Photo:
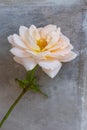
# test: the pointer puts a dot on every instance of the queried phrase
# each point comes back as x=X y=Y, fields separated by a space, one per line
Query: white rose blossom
x=46 y=46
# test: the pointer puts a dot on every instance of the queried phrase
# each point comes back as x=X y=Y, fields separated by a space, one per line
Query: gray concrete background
x=66 y=107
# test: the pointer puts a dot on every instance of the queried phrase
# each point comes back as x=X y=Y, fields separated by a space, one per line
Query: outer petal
x=52 y=73
x=60 y=52
x=49 y=64
x=18 y=41
x=18 y=60
x=22 y=31
x=38 y=56
x=10 y=39
x=18 y=52
x=28 y=63
x=64 y=42
x=24 y=34
x=68 y=57
x=60 y=46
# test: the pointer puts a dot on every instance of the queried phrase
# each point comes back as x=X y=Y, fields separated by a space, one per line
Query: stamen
x=42 y=43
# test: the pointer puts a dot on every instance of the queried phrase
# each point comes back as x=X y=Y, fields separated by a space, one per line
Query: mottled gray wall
x=66 y=107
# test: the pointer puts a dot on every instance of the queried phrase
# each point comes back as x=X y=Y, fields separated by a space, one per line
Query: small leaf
x=20 y=82
x=25 y=81
x=36 y=88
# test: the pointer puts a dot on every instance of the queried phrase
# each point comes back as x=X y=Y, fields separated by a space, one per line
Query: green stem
x=12 y=107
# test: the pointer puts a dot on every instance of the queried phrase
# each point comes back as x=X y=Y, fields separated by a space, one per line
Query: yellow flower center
x=42 y=43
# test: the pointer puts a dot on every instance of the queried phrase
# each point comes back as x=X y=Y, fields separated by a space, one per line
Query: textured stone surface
x=58 y=2
x=66 y=107
x=84 y=57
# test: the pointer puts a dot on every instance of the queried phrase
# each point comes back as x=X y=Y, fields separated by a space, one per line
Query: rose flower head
x=45 y=46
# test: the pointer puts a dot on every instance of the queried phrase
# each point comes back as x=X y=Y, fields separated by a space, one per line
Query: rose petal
x=18 y=52
x=34 y=32
x=49 y=64
x=10 y=39
x=18 y=41
x=38 y=56
x=28 y=63
x=47 y=30
x=60 y=52
x=22 y=31
x=31 y=37
x=64 y=42
x=53 y=38
x=17 y=59
x=50 y=28
x=53 y=73
x=68 y=57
